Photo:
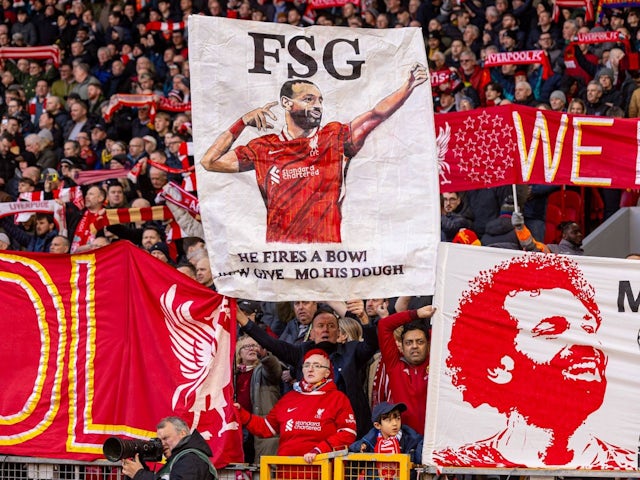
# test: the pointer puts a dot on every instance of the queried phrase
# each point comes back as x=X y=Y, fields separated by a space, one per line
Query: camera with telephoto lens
x=115 y=449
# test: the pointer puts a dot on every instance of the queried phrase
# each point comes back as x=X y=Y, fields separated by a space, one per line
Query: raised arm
x=219 y=158
x=387 y=325
x=364 y=124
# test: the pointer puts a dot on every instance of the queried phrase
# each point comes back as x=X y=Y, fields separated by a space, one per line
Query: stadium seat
x=552 y=220
x=596 y=215
x=570 y=204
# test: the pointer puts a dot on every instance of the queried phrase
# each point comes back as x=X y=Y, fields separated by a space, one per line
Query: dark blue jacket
x=410 y=443
x=33 y=242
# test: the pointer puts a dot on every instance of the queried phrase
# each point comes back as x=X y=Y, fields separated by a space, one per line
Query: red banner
x=108 y=343
x=513 y=144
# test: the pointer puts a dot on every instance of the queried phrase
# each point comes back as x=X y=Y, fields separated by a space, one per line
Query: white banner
x=534 y=361
x=335 y=195
x=40 y=206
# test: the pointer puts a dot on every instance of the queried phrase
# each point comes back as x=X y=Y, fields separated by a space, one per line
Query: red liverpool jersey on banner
x=108 y=343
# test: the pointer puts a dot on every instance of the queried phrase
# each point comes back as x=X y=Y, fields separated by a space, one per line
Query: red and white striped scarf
x=130 y=100
x=167 y=105
x=115 y=216
x=94 y=176
x=186 y=158
x=586 y=4
x=166 y=26
x=33 y=108
x=50 y=52
x=175 y=194
x=89 y=225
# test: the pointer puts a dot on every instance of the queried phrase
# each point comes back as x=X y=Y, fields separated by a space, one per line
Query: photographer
x=187 y=455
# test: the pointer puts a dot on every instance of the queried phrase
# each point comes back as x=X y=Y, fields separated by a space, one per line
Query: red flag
x=514 y=144
x=101 y=358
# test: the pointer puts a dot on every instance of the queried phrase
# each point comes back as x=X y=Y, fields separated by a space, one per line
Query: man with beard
x=301 y=171
x=524 y=341
x=570 y=244
x=40 y=239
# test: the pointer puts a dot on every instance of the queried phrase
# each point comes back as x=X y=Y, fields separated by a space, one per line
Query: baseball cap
x=385 y=407
x=4 y=238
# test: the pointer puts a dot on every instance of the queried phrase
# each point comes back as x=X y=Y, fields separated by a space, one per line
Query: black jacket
x=188 y=467
x=500 y=230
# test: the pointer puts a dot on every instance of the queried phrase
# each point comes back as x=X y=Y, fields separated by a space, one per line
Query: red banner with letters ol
x=513 y=144
x=108 y=343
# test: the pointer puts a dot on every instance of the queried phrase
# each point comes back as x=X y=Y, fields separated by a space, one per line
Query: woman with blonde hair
x=257 y=379
x=350 y=330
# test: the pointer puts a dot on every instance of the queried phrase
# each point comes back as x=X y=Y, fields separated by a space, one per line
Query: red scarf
x=306 y=387
x=389 y=446
x=87 y=228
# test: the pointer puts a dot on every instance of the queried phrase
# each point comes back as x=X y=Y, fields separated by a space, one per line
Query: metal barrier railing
x=27 y=468
x=335 y=465
x=295 y=468
x=372 y=466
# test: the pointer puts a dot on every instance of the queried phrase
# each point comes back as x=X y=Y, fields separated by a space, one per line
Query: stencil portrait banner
x=533 y=360
x=319 y=148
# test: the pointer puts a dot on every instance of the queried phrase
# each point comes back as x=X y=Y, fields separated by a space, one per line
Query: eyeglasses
x=466 y=61
x=250 y=347
x=315 y=366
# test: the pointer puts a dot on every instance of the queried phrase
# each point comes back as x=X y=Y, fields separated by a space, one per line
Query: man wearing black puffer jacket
x=187 y=455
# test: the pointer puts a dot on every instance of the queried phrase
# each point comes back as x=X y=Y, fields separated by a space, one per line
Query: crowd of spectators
x=57 y=119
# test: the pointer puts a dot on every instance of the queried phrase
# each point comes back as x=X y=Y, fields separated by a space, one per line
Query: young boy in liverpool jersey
x=301 y=171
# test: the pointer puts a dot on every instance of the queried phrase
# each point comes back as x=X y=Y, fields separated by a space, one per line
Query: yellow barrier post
x=295 y=468
x=372 y=466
